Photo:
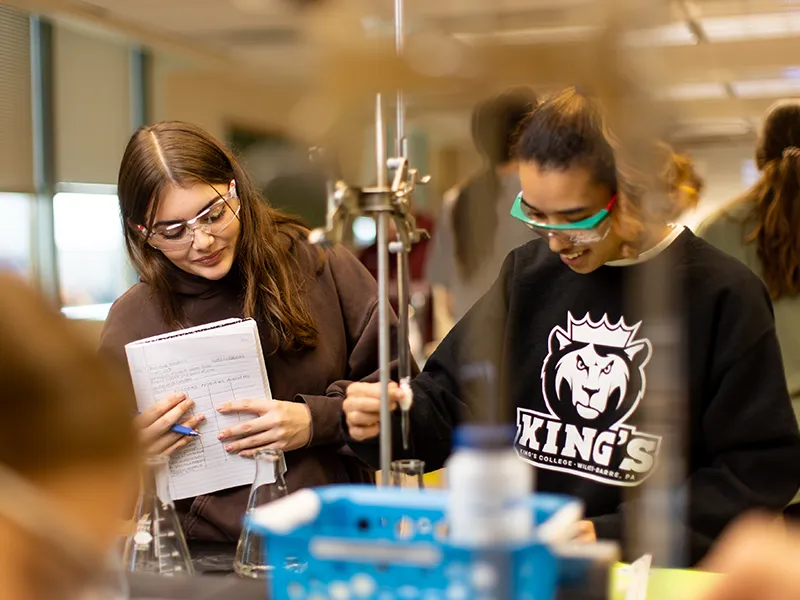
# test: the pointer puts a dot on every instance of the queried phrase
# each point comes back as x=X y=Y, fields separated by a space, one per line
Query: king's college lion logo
x=593 y=379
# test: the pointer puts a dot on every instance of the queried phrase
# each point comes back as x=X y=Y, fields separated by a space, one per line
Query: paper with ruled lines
x=212 y=364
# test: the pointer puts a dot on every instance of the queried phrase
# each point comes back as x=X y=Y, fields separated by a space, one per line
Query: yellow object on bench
x=666 y=584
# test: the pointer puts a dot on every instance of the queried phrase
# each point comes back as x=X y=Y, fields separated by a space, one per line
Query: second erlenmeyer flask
x=251 y=556
x=158 y=544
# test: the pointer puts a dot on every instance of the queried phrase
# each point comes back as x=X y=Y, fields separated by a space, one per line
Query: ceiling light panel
x=751 y=27
x=544 y=35
x=694 y=91
x=674 y=34
x=700 y=128
x=766 y=88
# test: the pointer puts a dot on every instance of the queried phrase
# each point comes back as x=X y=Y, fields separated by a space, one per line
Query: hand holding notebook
x=278 y=424
x=165 y=425
x=213 y=365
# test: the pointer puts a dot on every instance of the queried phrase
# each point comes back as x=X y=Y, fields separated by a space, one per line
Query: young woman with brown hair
x=572 y=355
x=762 y=229
x=207 y=248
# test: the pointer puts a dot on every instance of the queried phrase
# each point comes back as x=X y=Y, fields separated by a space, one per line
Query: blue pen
x=181 y=429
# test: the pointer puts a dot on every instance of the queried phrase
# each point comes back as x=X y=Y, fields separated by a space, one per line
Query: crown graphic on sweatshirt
x=602 y=332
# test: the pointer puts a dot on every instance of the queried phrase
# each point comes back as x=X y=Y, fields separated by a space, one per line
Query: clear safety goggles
x=213 y=220
x=586 y=231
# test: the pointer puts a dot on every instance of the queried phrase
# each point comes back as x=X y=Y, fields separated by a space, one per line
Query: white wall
x=727 y=170
x=215 y=101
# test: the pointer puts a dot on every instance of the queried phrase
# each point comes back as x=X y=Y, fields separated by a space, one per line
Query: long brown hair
x=776 y=200
x=181 y=154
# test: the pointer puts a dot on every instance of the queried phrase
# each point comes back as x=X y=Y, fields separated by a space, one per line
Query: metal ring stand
x=383 y=202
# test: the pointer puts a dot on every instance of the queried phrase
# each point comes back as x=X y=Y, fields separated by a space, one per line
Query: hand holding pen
x=165 y=427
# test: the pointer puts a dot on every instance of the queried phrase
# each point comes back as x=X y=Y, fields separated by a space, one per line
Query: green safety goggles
x=585 y=231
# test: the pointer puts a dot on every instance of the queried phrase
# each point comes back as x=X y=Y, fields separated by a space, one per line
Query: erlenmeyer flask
x=251 y=556
x=158 y=544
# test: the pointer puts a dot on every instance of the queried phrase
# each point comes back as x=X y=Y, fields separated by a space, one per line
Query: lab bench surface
x=199 y=587
x=231 y=587
x=215 y=581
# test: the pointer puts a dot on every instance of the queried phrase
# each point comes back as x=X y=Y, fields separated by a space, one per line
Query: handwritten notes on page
x=212 y=364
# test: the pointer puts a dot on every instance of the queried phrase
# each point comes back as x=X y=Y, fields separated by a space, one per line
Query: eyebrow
x=566 y=212
x=175 y=221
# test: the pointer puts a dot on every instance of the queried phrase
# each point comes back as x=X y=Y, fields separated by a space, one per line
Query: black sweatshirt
x=573 y=355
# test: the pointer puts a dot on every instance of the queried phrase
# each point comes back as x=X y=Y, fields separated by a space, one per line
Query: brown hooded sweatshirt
x=342 y=298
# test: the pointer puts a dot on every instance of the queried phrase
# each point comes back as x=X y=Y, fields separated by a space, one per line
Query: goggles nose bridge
x=204 y=227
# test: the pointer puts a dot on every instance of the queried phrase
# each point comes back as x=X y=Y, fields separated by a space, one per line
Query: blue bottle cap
x=484 y=437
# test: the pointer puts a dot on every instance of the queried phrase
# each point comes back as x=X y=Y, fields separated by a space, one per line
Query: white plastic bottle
x=489 y=488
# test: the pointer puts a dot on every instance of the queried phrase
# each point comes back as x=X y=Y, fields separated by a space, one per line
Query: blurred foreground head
x=68 y=450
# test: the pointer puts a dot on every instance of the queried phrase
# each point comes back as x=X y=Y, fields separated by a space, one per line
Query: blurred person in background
x=207 y=247
x=762 y=229
x=474 y=232
x=571 y=354
x=691 y=186
x=416 y=258
x=69 y=454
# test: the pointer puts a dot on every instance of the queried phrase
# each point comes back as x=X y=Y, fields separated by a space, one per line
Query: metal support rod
x=380 y=143
x=384 y=348
x=384 y=339
x=399 y=41
x=403 y=350
x=399 y=26
x=400 y=148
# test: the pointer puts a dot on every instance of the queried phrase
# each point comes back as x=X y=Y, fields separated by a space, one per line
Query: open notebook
x=212 y=364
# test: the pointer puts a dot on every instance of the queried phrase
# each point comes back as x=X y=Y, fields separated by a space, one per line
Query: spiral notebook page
x=212 y=364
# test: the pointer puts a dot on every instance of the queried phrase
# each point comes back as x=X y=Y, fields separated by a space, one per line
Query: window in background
x=92 y=262
x=15 y=233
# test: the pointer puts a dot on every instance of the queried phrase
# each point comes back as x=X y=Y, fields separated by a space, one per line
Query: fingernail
x=201 y=417
x=181 y=395
x=229 y=448
x=243 y=454
x=221 y=435
x=223 y=407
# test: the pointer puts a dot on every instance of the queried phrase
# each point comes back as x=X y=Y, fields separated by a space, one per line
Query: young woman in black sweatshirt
x=572 y=356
